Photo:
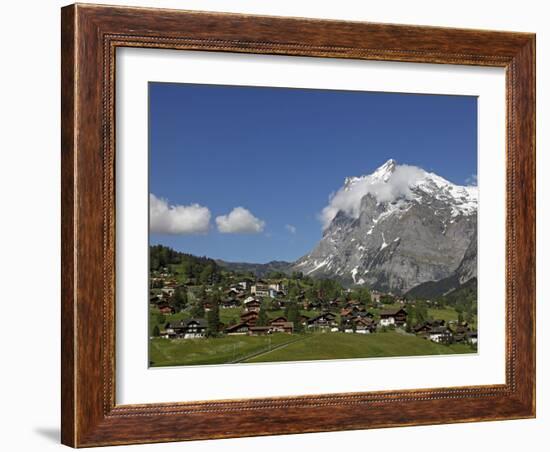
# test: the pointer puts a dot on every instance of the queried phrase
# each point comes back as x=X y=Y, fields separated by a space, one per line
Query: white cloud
x=348 y=199
x=239 y=221
x=177 y=219
x=290 y=228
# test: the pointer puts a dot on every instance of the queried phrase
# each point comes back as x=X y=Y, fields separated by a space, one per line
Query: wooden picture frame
x=90 y=36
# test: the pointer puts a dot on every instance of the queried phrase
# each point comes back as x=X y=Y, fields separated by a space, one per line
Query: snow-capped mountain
x=395 y=229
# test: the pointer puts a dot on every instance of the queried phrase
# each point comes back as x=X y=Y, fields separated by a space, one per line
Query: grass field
x=342 y=345
x=282 y=347
x=227 y=349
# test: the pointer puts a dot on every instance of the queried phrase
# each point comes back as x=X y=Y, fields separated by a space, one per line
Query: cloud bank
x=348 y=198
x=239 y=221
x=177 y=219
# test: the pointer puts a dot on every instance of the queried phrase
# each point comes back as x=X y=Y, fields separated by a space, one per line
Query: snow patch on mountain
x=392 y=182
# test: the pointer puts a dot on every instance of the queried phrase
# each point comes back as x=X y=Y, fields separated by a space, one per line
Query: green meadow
x=303 y=347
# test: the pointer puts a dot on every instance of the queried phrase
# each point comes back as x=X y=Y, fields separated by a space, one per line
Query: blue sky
x=279 y=153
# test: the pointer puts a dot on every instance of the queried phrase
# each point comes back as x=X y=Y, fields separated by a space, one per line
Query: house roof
x=245 y=315
x=363 y=320
x=230 y=300
x=279 y=319
x=259 y=328
x=320 y=316
x=439 y=330
x=236 y=327
x=391 y=312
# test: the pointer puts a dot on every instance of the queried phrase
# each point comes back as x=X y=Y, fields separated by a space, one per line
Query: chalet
x=245 y=283
x=240 y=329
x=346 y=312
x=278 y=326
x=471 y=337
x=166 y=309
x=279 y=319
x=316 y=304
x=187 y=329
x=252 y=306
x=273 y=293
x=364 y=325
x=375 y=296
x=259 y=290
x=250 y=317
x=169 y=332
x=440 y=334
x=283 y=303
x=397 y=317
x=323 y=322
x=303 y=319
x=460 y=333
x=233 y=291
x=355 y=311
x=259 y=330
x=164 y=296
x=230 y=303
x=352 y=303
x=194 y=328
x=168 y=290
x=277 y=286
x=423 y=329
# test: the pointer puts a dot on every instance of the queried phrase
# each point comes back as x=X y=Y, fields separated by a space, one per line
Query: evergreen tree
x=156 y=331
x=206 y=275
x=364 y=296
x=262 y=316
x=293 y=291
x=293 y=315
x=197 y=310
x=213 y=318
x=180 y=299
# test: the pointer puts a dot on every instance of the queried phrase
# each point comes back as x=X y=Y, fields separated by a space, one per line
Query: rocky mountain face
x=395 y=229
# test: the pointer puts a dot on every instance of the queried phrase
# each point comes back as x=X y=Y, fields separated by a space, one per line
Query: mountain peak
x=382 y=173
x=385 y=171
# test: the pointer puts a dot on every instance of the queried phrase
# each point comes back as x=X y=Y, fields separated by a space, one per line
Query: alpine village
x=203 y=311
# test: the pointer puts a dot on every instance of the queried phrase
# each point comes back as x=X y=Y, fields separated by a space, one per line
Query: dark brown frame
x=90 y=35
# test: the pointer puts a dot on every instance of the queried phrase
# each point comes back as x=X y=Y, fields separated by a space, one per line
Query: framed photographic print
x=280 y=225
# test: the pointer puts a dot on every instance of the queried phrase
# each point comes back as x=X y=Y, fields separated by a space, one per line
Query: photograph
x=290 y=224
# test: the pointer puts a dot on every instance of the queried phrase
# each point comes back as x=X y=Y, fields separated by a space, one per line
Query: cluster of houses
x=438 y=331
x=353 y=317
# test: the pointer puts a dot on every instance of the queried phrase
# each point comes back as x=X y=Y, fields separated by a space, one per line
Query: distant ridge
x=260 y=270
